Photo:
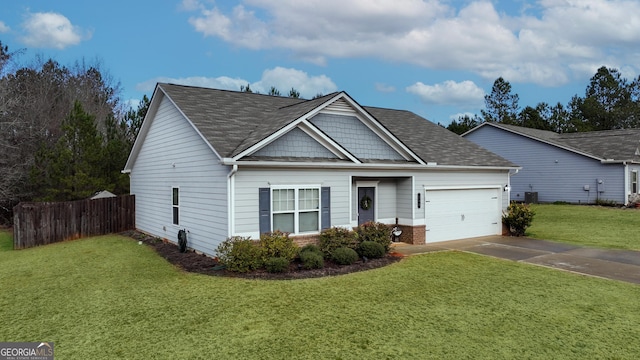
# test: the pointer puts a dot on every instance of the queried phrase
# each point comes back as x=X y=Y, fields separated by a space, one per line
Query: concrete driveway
x=623 y=265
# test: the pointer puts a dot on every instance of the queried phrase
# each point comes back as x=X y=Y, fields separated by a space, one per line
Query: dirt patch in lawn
x=198 y=263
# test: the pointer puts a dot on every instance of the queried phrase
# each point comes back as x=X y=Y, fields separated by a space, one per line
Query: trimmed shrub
x=278 y=244
x=311 y=259
x=344 y=256
x=240 y=254
x=371 y=250
x=311 y=248
x=337 y=237
x=518 y=218
x=276 y=265
x=377 y=232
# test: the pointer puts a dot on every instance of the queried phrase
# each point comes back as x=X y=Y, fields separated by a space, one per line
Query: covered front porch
x=391 y=201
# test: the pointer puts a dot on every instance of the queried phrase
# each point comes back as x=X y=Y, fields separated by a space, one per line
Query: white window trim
x=296 y=211
x=175 y=206
x=631 y=181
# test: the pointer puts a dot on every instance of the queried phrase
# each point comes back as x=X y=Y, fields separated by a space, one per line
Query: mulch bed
x=198 y=263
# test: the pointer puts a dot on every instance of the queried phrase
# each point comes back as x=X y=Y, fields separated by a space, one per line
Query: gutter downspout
x=230 y=200
x=625 y=177
x=515 y=171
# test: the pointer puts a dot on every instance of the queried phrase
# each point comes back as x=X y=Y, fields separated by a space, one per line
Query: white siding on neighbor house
x=554 y=173
x=393 y=189
x=630 y=170
x=174 y=155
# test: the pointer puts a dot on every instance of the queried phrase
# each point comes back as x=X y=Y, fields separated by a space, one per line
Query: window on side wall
x=634 y=182
x=295 y=209
x=176 y=205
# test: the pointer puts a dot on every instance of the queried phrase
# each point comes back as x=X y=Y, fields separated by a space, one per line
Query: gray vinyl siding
x=295 y=143
x=174 y=155
x=554 y=173
x=395 y=195
x=248 y=181
x=404 y=198
x=356 y=137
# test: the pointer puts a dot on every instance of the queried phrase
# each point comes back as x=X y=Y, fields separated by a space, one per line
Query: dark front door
x=366 y=196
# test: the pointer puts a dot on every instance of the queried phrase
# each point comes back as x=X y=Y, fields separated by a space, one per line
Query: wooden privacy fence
x=44 y=223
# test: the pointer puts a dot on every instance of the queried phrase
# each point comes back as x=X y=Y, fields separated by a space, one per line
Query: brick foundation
x=412 y=234
x=303 y=240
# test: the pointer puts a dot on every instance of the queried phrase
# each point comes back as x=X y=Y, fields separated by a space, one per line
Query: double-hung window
x=295 y=209
x=175 y=201
x=634 y=182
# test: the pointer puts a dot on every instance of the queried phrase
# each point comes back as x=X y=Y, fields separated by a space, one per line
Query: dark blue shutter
x=325 y=208
x=264 y=209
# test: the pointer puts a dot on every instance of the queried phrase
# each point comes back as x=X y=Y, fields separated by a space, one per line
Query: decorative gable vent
x=340 y=106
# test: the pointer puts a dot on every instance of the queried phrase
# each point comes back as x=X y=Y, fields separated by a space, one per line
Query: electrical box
x=531 y=197
x=586 y=188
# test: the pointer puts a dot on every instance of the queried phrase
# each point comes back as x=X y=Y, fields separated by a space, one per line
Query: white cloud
x=222 y=82
x=284 y=79
x=542 y=44
x=281 y=78
x=51 y=30
x=4 y=28
x=465 y=93
x=384 y=88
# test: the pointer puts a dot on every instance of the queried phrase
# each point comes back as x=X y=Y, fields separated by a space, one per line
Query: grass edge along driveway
x=593 y=226
x=108 y=297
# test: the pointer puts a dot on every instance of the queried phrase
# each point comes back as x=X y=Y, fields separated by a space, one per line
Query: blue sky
x=436 y=58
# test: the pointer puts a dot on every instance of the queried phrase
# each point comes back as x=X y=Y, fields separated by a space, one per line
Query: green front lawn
x=108 y=298
x=595 y=226
x=6 y=240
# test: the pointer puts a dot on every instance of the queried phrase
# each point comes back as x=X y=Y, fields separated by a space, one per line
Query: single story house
x=222 y=163
x=580 y=168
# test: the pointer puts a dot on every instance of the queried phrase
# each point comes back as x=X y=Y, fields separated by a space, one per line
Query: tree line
x=64 y=131
x=610 y=102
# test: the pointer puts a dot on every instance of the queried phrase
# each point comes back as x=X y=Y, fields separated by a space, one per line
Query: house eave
x=366 y=166
x=623 y=162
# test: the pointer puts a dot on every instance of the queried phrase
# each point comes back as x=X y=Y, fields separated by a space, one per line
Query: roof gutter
x=350 y=165
x=623 y=162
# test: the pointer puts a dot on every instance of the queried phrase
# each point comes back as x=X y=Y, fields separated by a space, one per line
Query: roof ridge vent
x=340 y=106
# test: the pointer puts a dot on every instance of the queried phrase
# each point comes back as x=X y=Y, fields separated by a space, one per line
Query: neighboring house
x=224 y=163
x=574 y=167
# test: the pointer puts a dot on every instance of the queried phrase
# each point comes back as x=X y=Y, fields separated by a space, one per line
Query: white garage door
x=462 y=213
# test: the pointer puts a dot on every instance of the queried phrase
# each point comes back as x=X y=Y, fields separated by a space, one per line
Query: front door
x=366 y=198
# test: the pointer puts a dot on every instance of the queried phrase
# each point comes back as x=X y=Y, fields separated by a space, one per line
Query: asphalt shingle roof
x=233 y=121
x=618 y=145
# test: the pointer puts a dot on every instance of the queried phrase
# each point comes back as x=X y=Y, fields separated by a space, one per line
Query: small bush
x=518 y=218
x=276 y=265
x=344 y=256
x=375 y=231
x=371 y=250
x=278 y=244
x=337 y=237
x=310 y=248
x=240 y=254
x=311 y=259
